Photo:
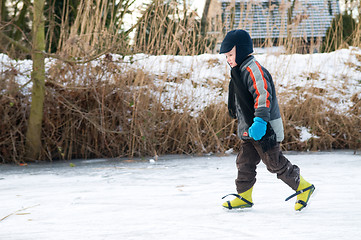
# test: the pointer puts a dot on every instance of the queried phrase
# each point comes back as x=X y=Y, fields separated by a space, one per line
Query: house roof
x=268 y=18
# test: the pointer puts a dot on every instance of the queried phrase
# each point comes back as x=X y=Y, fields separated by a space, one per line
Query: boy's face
x=231 y=57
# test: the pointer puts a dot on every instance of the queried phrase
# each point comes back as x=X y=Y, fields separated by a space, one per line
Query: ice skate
x=303 y=193
x=242 y=200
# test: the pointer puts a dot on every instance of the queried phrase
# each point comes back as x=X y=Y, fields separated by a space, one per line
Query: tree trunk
x=33 y=134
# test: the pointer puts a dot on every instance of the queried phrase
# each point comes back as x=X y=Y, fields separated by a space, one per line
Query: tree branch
x=17 y=44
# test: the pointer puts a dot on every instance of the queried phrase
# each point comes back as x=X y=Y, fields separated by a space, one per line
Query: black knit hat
x=242 y=41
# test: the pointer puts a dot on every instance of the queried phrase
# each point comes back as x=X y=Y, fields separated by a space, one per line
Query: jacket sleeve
x=258 y=86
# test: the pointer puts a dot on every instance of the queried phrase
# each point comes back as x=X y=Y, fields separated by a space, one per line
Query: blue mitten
x=258 y=128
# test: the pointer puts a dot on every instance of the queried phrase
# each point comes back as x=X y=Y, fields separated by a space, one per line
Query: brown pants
x=249 y=157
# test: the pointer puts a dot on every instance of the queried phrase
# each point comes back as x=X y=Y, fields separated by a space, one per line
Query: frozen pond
x=176 y=198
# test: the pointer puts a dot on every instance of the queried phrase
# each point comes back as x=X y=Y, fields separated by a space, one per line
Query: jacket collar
x=245 y=63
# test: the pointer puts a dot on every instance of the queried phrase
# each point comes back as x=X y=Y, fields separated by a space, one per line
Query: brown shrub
x=90 y=113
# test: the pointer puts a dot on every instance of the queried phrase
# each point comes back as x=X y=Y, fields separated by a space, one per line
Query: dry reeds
x=329 y=128
x=118 y=117
x=114 y=115
x=14 y=113
x=97 y=28
x=107 y=110
x=167 y=28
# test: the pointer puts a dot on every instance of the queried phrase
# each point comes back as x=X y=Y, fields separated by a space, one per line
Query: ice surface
x=176 y=197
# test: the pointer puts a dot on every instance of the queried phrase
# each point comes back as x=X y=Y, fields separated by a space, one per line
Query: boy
x=252 y=101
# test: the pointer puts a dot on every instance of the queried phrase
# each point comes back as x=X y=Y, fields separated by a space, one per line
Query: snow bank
x=195 y=82
x=205 y=81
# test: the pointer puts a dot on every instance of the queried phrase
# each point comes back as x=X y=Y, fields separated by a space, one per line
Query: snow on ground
x=176 y=197
x=198 y=81
x=195 y=82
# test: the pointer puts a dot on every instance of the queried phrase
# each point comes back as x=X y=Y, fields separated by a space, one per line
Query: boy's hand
x=258 y=128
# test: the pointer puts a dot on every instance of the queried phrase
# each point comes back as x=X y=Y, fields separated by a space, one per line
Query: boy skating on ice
x=252 y=101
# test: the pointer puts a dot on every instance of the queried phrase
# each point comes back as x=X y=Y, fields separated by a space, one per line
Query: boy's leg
x=279 y=164
x=247 y=160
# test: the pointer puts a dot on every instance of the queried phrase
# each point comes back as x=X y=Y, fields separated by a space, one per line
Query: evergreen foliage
x=340 y=33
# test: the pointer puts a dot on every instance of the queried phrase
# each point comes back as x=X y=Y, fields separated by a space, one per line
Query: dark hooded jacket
x=251 y=89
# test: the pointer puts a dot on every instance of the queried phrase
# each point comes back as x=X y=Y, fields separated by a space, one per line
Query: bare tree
x=33 y=134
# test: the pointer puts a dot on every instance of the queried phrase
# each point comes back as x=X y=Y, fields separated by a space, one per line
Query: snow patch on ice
x=305 y=134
